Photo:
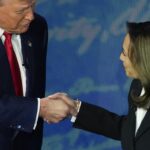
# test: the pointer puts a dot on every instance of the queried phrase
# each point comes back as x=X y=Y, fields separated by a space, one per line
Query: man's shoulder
x=39 y=24
x=39 y=19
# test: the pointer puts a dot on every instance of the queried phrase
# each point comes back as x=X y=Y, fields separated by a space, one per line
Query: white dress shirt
x=16 y=42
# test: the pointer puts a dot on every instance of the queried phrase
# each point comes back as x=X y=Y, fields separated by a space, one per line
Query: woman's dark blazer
x=101 y=121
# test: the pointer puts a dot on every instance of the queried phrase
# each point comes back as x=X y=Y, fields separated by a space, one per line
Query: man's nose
x=30 y=14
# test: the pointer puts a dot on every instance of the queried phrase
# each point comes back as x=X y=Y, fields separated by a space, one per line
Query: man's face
x=16 y=15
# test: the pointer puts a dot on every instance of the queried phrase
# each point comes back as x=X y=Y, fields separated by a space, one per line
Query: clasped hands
x=57 y=107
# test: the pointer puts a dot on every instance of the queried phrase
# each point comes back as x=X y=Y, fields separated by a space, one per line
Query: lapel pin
x=29 y=44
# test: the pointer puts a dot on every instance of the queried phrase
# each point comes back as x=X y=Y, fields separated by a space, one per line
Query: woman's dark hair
x=139 y=55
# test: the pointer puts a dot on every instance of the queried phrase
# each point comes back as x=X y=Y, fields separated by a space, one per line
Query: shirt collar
x=1 y=32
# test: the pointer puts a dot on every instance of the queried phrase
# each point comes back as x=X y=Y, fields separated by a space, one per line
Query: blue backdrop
x=85 y=42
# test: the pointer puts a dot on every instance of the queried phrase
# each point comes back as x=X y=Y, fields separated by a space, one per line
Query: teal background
x=85 y=42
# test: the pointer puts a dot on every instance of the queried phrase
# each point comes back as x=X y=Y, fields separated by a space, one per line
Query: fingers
x=69 y=101
x=63 y=96
x=54 y=111
x=56 y=95
x=57 y=107
x=54 y=119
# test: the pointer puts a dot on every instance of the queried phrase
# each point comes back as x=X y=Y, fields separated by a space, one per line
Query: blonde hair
x=139 y=54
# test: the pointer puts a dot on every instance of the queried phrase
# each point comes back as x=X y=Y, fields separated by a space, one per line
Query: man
x=23 y=47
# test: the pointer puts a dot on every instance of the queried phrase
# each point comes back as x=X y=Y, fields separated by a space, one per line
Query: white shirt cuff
x=37 y=114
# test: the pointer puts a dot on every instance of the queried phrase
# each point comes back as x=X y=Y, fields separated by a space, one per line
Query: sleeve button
x=19 y=126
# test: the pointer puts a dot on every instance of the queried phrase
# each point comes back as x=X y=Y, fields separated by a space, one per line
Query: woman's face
x=129 y=69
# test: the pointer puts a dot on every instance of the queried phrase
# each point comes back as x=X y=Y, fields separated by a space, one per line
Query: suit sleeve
x=18 y=113
x=99 y=120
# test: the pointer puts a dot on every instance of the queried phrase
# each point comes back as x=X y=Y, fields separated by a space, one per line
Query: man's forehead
x=17 y=1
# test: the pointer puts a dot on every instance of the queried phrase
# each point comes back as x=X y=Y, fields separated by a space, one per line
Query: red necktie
x=15 y=72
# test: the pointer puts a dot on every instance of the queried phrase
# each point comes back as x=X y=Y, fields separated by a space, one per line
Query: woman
x=133 y=129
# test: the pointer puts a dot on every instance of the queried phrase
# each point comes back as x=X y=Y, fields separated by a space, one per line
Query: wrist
x=77 y=106
x=43 y=104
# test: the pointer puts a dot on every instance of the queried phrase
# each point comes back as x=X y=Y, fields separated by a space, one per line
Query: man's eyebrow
x=22 y=9
x=29 y=5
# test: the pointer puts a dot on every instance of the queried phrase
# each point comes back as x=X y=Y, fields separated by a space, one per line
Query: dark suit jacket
x=19 y=113
x=98 y=120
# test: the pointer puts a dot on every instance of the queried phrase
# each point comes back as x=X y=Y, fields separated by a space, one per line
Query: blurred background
x=85 y=42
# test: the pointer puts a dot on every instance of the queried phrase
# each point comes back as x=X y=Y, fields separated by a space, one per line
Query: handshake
x=57 y=107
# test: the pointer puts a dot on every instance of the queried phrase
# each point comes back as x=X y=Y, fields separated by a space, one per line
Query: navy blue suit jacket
x=19 y=113
x=101 y=121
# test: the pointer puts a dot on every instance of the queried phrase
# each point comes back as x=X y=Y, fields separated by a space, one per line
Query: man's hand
x=68 y=100
x=56 y=107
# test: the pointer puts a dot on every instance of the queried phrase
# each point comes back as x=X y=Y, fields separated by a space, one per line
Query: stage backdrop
x=85 y=42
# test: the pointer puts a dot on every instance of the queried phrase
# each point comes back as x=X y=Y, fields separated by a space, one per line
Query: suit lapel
x=27 y=52
x=130 y=133
x=28 y=62
x=6 y=85
x=145 y=125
